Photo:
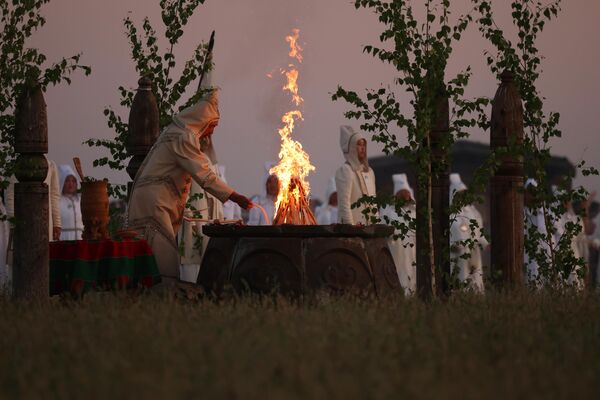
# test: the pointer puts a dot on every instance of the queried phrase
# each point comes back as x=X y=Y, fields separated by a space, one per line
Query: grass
x=540 y=345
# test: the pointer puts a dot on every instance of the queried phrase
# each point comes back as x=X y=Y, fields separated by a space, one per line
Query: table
x=79 y=265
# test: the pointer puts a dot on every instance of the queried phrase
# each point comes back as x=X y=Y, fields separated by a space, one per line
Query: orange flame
x=295 y=49
x=294 y=162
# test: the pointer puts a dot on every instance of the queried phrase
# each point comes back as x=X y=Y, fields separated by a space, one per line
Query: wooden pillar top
x=144 y=125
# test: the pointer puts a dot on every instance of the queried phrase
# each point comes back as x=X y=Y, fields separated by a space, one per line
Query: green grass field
x=112 y=346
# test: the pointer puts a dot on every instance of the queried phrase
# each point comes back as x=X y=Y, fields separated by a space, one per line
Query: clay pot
x=94 y=210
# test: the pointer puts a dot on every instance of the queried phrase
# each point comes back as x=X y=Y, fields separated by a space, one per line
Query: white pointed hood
x=64 y=171
x=456 y=185
x=199 y=116
x=348 y=140
x=401 y=183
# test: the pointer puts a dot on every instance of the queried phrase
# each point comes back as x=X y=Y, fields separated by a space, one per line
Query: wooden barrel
x=94 y=210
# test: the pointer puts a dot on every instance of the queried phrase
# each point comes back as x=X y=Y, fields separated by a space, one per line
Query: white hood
x=348 y=140
x=199 y=116
x=64 y=171
x=530 y=182
x=401 y=183
x=456 y=185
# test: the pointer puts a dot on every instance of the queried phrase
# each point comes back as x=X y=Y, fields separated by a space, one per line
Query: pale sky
x=250 y=44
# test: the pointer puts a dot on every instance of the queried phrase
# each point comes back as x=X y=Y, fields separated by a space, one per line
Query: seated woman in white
x=70 y=205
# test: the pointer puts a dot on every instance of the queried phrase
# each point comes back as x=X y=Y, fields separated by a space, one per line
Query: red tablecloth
x=79 y=265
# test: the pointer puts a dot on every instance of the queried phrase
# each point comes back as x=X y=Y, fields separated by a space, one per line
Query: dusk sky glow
x=250 y=43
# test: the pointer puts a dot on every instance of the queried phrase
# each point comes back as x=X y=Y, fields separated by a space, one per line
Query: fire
x=294 y=163
x=295 y=49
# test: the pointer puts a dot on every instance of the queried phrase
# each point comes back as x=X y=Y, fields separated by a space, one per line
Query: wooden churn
x=94 y=209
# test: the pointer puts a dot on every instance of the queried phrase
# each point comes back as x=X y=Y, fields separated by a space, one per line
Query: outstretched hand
x=241 y=200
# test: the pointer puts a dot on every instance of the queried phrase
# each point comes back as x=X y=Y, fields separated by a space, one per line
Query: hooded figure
x=54 y=222
x=470 y=269
x=161 y=186
x=534 y=219
x=327 y=214
x=270 y=190
x=354 y=179
x=70 y=204
x=404 y=251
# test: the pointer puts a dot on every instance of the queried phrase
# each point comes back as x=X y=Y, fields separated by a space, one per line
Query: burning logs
x=295 y=209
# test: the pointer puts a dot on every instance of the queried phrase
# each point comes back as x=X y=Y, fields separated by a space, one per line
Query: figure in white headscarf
x=52 y=180
x=404 y=251
x=161 y=186
x=355 y=178
x=469 y=269
x=70 y=205
x=534 y=220
x=267 y=200
x=327 y=214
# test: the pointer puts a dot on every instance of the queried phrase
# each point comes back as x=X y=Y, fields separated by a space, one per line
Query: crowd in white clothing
x=353 y=180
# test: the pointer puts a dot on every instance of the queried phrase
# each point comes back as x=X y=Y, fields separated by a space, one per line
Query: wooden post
x=31 y=258
x=430 y=279
x=507 y=184
x=144 y=126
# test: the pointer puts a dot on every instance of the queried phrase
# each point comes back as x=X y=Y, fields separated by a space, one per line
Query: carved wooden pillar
x=430 y=279
x=30 y=269
x=144 y=126
x=507 y=183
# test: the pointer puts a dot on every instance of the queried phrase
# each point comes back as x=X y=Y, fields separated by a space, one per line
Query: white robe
x=70 y=215
x=256 y=216
x=327 y=215
x=161 y=186
x=231 y=211
x=469 y=270
x=579 y=244
x=535 y=219
x=353 y=180
x=192 y=242
x=404 y=251
x=52 y=180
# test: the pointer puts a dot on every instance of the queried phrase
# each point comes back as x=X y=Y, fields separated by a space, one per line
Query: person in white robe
x=52 y=180
x=327 y=214
x=404 y=251
x=70 y=204
x=469 y=269
x=201 y=205
x=162 y=184
x=534 y=220
x=231 y=211
x=354 y=179
x=267 y=200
